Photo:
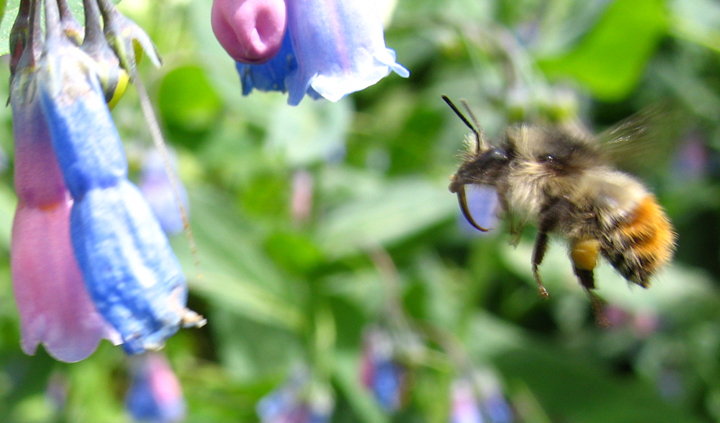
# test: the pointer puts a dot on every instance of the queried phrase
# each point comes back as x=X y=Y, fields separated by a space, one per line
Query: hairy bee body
x=564 y=183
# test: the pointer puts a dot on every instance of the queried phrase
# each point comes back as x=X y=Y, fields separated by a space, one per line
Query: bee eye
x=548 y=158
x=552 y=162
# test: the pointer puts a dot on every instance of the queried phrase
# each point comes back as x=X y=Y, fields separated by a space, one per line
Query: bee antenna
x=480 y=133
x=476 y=129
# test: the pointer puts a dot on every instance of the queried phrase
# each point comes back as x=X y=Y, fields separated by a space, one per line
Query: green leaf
x=252 y=351
x=569 y=385
x=188 y=104
x=610 y=60
x=9 y=10
x=234 y=275
x=399 y=210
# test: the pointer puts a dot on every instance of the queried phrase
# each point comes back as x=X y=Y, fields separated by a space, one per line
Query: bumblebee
x=563 y=181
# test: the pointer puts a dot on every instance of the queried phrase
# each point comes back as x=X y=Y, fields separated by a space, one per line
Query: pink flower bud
x=251 y=31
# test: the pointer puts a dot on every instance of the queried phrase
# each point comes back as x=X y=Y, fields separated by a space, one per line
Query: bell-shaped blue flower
x=332 y=48
x=129 y=269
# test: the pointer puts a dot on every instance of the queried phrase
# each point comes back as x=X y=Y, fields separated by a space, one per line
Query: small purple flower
x=465 y=407
x=156 y=187
x=299 y=400
x=493 y=398
x=381 y=372
x=155 y=394
x=332 y=48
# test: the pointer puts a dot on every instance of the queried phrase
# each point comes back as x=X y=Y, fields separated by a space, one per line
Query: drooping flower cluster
x=322 y=48
x=79 y=219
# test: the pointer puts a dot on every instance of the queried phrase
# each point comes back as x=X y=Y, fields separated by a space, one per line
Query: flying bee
x=564 y=182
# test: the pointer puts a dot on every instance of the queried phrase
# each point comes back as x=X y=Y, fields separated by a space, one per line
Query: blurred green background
x=314 y=222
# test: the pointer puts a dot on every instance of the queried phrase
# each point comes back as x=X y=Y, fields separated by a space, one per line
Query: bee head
x=552 y=151
x=482 y=165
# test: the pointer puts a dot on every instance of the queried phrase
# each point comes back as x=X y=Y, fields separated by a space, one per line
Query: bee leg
x=541 y=242
x=587 y=279
x=584 y=254
x=598 y=308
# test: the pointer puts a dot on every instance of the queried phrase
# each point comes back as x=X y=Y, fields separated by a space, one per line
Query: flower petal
x=55 y=308
x=251 y=31
x=269 y=76
x=340 y=48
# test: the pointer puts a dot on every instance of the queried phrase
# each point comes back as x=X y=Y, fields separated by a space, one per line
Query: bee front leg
x=550 y=215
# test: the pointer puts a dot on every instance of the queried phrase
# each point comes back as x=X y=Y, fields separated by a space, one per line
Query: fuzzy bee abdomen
x=641 y=244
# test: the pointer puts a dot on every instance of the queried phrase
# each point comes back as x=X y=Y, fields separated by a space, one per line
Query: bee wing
x=483 y=205
x=645 y=142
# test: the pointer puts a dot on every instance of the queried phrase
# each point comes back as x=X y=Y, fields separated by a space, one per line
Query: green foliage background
x=278 y=289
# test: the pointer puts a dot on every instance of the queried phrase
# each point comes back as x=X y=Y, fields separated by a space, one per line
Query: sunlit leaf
x=611 y=58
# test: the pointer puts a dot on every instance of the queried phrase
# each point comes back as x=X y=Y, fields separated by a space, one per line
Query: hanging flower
x=381 y=371
x=155 y=394
x=332 y=48
x=299 y=400
x=126 y=262
x=54 y=305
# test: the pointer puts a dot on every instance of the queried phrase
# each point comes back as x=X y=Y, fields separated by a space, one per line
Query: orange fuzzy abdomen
x=639 y=246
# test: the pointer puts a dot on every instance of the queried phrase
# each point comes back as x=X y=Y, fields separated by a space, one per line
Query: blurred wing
x=645 y=142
